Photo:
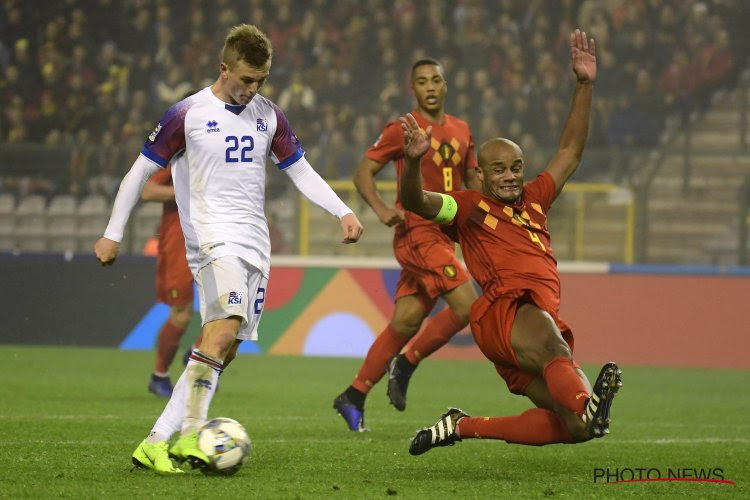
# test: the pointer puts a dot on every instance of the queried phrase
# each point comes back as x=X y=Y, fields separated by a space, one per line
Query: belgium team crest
x=449 y=271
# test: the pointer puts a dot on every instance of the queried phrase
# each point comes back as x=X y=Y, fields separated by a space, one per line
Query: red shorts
x=491 y=325
x=429 y=268
x=174 y=281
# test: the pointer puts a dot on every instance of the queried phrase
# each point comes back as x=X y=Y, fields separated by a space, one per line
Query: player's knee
x=553 y=346
x=405 y=327
x=407 y=323
x=462 y=312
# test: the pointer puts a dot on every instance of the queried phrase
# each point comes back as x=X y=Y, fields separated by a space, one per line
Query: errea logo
x=212 y=126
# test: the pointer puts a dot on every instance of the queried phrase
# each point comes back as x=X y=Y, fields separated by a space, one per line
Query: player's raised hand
x=351 y=227
x=583 y=56
x=416 y=140
x=106 y=251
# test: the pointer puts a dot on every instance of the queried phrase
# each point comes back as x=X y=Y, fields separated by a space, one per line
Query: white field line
x=704 y=440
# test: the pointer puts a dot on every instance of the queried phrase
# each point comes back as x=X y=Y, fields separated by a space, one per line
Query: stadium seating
x=693 y=205
x=7 y=222
x=47 y=149
x=31 y=224
x=62 y=221
x=93 y=214
x=146 y=218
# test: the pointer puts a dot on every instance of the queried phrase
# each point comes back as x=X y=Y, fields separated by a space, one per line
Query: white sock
x=170 y=419
x=199 y=396
x=187 y=409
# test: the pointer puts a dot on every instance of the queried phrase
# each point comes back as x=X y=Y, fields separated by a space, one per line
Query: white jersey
x=218 y=155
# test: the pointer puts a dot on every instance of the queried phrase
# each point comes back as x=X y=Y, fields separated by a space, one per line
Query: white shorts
x=228 y=286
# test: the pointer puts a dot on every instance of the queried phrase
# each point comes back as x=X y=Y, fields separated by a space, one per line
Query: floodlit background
x=650 y=234
x=664 y=179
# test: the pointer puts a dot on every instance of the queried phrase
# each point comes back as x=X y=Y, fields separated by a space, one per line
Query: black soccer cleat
x=443 y=433
x=353 y=415
x=596 y=411
x=399 y=373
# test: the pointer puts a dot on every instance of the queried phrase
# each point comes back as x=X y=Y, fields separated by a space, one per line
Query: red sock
x=565 y=385
x=435 y=334
x=167 y=345
x=536 y=427
x=387 y=345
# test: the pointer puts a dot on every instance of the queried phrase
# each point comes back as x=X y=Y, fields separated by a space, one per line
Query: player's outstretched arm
x=107 y=247
x=416 y=142
x=364 y=181
x=576 y=129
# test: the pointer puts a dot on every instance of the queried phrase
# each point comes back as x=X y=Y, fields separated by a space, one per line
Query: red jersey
x=170 y=232
x=507 y=247
x=174 y=281
x=451 y=153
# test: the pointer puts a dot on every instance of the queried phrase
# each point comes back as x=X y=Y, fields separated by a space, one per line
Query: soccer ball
x=226 y=444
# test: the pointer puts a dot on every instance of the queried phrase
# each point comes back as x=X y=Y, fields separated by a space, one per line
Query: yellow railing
x=579 y=190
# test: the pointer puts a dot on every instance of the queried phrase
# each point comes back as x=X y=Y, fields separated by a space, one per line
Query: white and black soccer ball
x=226 y=444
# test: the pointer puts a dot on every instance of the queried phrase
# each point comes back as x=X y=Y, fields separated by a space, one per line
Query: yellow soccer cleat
x=186 y=449
x=154 y=456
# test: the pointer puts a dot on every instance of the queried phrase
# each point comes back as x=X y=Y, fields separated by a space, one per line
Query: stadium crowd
x=91 y=77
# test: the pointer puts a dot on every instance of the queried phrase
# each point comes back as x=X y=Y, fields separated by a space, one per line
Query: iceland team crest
x=235 y=298
x=262 y=125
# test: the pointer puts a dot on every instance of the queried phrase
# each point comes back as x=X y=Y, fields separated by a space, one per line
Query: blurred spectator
x=677 y=83
x=711 y=65
x=345 y=65
x=16 y=124
x=297 y=97
x=106 y=167
x=637 y=119
x=78 y=163
x=171 y=89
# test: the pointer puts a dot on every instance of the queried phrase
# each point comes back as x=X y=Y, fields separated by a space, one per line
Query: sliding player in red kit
x=503 y=235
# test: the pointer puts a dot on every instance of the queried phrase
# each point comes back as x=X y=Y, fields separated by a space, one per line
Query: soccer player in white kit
x=217 y=141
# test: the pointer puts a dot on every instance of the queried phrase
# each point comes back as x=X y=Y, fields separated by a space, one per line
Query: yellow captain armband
x=447 y=210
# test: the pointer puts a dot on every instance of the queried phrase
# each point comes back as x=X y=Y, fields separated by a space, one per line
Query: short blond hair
x=248 y=43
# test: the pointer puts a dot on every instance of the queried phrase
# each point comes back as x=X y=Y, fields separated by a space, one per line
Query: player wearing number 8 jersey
x=430 y=268
x=217 y=142
x=503 y=234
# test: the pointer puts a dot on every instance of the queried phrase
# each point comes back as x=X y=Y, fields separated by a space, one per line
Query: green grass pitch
x=71 y=417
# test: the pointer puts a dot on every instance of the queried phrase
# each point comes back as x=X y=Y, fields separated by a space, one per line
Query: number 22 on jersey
x=239 y=149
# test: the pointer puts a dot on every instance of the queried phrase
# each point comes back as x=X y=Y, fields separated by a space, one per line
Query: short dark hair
x=424 y=62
